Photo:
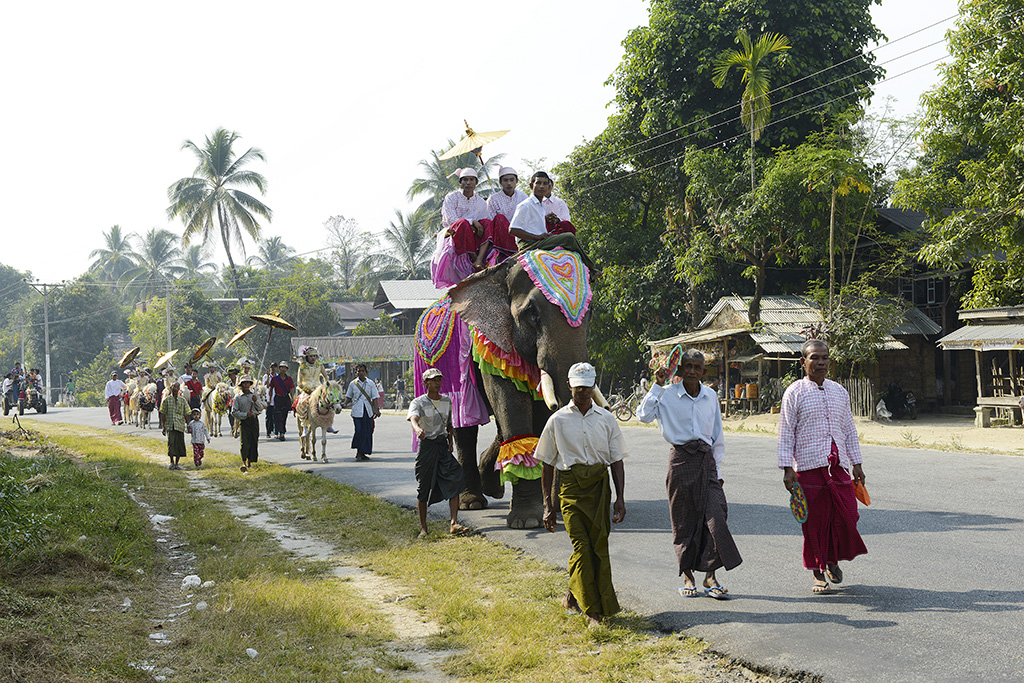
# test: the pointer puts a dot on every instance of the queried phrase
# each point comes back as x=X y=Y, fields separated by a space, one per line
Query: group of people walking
x=818 y=449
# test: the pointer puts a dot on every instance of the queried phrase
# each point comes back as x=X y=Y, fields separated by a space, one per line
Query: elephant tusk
x=547 y=390
x=599 y=398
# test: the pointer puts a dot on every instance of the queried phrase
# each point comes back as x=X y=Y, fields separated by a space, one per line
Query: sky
x=343 y=98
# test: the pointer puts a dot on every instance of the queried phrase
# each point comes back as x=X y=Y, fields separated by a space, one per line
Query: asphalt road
x=938 y=597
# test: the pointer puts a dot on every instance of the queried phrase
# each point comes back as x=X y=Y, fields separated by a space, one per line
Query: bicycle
x=619 y=407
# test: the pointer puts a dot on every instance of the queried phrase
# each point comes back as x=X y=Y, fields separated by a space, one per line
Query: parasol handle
x=479 y=155
x=266 y=346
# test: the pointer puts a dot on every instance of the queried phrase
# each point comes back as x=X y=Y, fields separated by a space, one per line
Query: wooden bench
x=983 y=411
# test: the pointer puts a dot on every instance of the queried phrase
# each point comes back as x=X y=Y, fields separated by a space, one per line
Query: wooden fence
x=862 y=396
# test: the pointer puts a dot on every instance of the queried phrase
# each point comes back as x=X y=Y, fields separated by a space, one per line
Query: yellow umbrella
x=272 y=320
x=240 y=335
x=164 y=359
x=128 y=357
x=472 y=143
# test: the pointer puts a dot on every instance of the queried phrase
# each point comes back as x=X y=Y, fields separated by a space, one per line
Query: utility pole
x=46 y=333
x=21 y=319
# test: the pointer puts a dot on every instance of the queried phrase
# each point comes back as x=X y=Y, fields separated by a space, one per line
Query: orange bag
x=861 y=492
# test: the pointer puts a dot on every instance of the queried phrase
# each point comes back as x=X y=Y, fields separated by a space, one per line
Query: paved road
x=938 y=597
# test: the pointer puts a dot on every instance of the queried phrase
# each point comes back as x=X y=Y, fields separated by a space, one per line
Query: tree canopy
x=970 y=181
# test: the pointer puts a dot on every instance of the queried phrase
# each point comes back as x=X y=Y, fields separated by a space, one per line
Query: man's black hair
x=540 y=174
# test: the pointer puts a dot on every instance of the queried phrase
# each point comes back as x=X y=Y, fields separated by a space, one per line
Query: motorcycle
x=31 y=397
x=900 y=403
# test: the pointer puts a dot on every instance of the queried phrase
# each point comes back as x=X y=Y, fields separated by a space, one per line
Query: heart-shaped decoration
x=434 y=331
x=563 y=278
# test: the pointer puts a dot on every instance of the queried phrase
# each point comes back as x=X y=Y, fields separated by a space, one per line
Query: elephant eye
x=532 y=315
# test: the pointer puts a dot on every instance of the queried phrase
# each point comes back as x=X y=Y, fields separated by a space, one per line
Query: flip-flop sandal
x=818 y=589
x=459 y=530
x=834 y=577
x=717 y=592
x=688 y=591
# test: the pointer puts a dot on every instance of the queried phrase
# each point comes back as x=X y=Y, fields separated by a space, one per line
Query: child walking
x=245 y=411
x=200 y=437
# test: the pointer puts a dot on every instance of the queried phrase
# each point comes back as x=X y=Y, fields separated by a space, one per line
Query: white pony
x=145 y=398
x=215 y=407
x=324 y=404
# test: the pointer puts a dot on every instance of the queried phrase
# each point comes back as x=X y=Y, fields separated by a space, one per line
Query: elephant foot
x=471 y=501
x=527 y=508
x=492 y=486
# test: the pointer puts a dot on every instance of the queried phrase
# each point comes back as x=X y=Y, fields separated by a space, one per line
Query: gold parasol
x=240 y=335
x=164 y=359
x=203 y=349
x=128 y=357
x=474 y=143
x=274 y=321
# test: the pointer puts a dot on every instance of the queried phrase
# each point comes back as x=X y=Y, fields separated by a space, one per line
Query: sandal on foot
x=716 y=592
x=688 y=591
x=821 y=588
x=460 y=530
x=834 y=574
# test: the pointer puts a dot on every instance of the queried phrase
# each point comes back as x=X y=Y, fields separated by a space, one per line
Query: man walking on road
x=112 y=391
x=176 y=411
x=365 y=408
x=582 y=441
x=817 y=446
x=690 y=419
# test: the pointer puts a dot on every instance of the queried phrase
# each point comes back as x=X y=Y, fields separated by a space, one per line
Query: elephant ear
x=482 y=301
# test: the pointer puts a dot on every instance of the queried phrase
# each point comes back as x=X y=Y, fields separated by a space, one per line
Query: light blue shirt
x=683 y=418
x=360 y=406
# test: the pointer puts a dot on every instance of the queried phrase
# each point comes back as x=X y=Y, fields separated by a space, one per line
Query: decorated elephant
x=502 y=338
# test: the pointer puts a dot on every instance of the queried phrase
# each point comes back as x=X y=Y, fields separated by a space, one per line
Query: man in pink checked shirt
x=818 y=446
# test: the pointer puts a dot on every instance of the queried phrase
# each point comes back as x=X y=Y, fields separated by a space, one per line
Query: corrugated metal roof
x=407 y=294
x=985 y=338
x=697 y=337
x=368 y=349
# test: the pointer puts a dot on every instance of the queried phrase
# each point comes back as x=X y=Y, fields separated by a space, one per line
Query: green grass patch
x=497 y=609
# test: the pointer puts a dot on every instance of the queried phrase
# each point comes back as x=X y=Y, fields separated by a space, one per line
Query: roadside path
x=928 y=603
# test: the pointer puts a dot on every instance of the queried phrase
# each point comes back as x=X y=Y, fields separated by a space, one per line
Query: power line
x=861 y=55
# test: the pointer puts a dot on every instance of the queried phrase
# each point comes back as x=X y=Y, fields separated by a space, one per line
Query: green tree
x=302 y=297
x=273 y=255
x=755 y=104
x=348 y=249
x=970 y=181
x=157 y=262
x=193 y=318
x=408 y=248
x=213 y=204
x=81 y=314
x=91 y=379
x=376 y=327
x=116 y=257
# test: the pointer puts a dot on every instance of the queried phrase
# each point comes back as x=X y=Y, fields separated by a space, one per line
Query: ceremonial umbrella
x=164 y=360
x=128 y=357
x=203 y=349
x=240 y=335
x=273 y=321
x=474 y=142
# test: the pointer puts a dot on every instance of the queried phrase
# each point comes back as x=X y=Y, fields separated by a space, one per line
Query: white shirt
x=7 y=385
x=556 y=206
x=360 y=406
x=457 y=206
x=434 y=417
x=529 y=217
x=499 y=202
x=573 y=438
x=683 y=418
x=114 y=387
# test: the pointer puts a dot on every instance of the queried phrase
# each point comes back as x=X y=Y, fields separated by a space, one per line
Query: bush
x=90 y=399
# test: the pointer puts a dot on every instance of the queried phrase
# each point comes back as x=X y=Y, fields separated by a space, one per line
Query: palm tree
x=115 y=258
x=409 y=247
x=158 y=262
x=438 y=182
x=755 y=107
x=195 y=266
x=211 y=202
x=273 y=254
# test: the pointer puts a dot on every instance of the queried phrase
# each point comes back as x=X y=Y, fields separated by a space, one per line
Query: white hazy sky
x=344 y=99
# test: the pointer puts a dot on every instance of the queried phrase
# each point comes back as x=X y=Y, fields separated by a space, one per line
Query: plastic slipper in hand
x=674 y=357
x=861 y=492
x=798 y=503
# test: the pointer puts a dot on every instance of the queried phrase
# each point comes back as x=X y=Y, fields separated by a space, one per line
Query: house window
x=907 y=289
x=933 y=290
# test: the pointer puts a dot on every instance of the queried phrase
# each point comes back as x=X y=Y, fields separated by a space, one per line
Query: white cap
x=582 y=375
x=507 y=170
x=431 y=373
x=467 y=173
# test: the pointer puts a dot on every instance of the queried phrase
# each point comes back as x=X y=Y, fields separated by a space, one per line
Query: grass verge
x=495 y=609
